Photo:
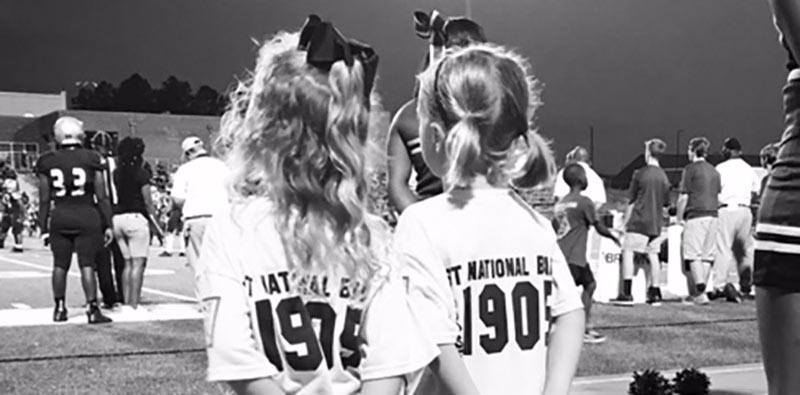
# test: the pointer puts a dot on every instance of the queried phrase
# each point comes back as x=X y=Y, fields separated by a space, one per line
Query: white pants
x=734 y=226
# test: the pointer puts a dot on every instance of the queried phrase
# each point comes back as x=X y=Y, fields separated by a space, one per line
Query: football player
x=80 y=219
x=13 y=214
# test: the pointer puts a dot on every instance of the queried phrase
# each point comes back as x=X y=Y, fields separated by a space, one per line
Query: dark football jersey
x=71 y=173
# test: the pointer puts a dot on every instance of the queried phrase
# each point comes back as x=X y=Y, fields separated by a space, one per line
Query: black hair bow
x=325 y=46
x=430 y=25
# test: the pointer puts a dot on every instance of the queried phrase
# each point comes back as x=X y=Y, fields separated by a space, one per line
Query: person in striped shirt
x=777 y=247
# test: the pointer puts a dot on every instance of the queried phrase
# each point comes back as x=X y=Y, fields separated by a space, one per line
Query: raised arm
x=787 y=18
x=400 y=194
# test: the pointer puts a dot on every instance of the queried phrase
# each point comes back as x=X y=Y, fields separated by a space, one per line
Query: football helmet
x=68 y=130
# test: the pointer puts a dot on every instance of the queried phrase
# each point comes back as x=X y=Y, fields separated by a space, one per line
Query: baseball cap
x=190 y=142
x=732 y=144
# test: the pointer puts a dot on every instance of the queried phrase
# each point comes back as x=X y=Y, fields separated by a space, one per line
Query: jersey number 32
x=74 y=188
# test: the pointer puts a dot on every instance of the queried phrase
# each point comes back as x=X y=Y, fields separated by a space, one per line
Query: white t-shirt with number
x=323 y=336
x=485 y=272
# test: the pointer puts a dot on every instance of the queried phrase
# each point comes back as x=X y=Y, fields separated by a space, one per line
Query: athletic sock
x=701 y=287
x=626 y=287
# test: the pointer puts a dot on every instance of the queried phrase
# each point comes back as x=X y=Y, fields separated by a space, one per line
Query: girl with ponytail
x=485 y=272
x=296 y=282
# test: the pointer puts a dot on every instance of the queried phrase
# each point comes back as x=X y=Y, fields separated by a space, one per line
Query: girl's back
x=496 y=255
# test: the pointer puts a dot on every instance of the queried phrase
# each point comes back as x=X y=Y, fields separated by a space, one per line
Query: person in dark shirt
x=404 y=148
x=777 y=247
x=698 y=204
x=573 y=215
x=133 y=215
x=13 y=214
x=644 y=219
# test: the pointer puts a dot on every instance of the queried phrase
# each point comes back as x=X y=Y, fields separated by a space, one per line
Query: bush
x=691 y=382
x=649 y=382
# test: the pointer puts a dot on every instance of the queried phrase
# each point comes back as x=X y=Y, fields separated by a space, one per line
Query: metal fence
x=19 y=156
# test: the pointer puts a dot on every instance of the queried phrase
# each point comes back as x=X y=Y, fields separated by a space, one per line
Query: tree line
x=135 y=94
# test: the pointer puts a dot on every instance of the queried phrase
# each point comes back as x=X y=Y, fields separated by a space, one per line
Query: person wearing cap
x=199 y=190
x=595 y=191
x=739 y=185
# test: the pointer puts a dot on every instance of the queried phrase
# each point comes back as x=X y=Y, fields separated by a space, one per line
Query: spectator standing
x=109 y=256
x=574 y=215
x=644 y=220
x=595 y=189
x=739 y=186
x=697 y=210
x=199 y=190
x=132 y=217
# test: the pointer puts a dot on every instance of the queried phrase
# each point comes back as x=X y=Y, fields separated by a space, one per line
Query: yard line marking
x=21 y=306
x=184 y=298
x=154 y=312
x=17 y=274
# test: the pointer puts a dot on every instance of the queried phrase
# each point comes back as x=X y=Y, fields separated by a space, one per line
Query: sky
x=629 y=69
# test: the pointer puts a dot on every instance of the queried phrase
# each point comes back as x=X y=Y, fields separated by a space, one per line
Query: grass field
x=166 y=357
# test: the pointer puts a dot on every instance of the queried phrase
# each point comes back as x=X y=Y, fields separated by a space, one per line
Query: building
x=26 y=128
x=31 y=105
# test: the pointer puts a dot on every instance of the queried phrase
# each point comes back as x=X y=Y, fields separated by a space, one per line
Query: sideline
x=48 y=269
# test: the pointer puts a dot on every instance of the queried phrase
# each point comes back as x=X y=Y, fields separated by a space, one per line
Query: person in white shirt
x=595 y=191
x=739 y=184
x=485 y=271
x=299 y=289
x=200 y=189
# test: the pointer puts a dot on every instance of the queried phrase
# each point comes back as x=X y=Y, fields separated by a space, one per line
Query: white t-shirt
x=739 y=181
x=596 y=190
x=487 y=275
x=202 y=183
x=324 y=336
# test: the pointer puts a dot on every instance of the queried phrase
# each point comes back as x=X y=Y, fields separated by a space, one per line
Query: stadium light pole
x=678 y=141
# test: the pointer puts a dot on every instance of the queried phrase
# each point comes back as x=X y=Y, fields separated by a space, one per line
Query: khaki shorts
x=133 y=235
x=699 y=239
x=640 y=243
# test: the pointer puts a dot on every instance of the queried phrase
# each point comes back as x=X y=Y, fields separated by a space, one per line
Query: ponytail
x=463 y=148
x=534 y=164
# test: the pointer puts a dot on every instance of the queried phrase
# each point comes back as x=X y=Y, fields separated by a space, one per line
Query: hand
x=46 y=239
x=108 y=237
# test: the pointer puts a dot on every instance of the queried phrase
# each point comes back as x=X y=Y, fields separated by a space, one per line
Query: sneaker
x=748 y=296
x=181 y=254
x=60 y=314
x=715 y=294
x=165 y=254
x=592 y=337
x=653 y=297
x=731 y=294
x=95 y=316
x=623 y=300
x=697 y=300
x=16 y=249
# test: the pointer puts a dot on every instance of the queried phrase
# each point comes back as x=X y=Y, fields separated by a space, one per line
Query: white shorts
x=699 y=239
x=132 y=232
x=640 y=243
